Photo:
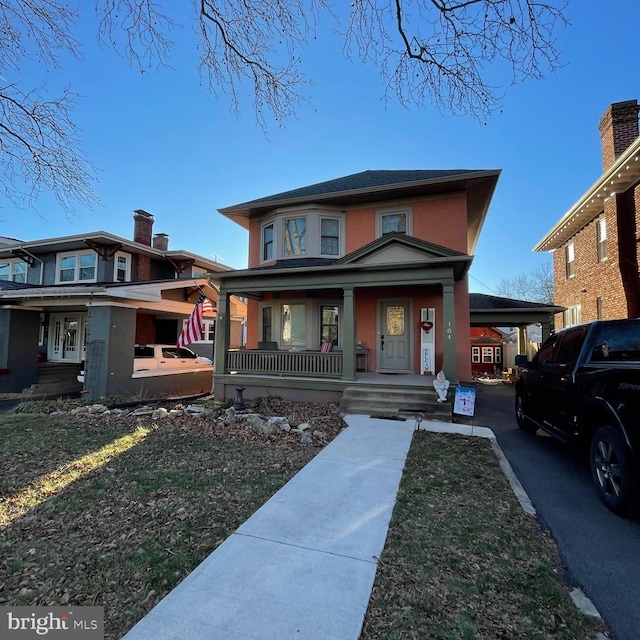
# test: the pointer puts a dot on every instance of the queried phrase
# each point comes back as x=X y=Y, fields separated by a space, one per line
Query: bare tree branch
x=428 y=52
x=39 y=147
x=536 y=286
x=436 y=51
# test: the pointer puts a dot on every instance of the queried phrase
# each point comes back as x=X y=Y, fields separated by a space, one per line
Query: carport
x=493 y=311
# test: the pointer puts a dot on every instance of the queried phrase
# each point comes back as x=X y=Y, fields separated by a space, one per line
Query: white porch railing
x=299 y=363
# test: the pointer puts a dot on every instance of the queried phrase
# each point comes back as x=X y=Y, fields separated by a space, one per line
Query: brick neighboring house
x=91 y=297
x=364 y=276
x=595 y=244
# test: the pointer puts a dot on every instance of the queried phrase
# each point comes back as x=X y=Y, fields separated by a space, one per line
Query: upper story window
x=312 y=232
x=122 y=267
x=15 y=270
x=329 y=236
x=77 y=266
x=295 y=237
x=393 y=220
x=601 y=233
x=267 y=242
x=570 y=257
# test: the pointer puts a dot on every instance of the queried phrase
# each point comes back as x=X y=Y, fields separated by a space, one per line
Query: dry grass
x=463 y=561
x=116 y=511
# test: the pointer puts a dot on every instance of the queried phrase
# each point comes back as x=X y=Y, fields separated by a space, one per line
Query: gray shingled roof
x=363 y=180
x=483 y=302
x=9 y=285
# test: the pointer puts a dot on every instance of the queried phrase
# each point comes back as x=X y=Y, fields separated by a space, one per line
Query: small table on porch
x=362 y=360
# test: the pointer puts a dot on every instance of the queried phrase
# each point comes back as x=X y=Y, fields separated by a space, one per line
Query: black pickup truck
x=583 y=386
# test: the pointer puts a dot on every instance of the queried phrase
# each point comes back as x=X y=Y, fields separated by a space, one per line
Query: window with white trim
x=294 y=237
x=122 y=267
x=498 y=355
x=393 y=220
x=268 y=242
x=487 y=355
x=309 y=232
x=570 y=257
x=267 y=324
x=294 y=325
x=76 y=266
x=14 y=270
x=573 y=315
x=329 y=236
x=601 y=233
x=475 y=355
x=208 y=331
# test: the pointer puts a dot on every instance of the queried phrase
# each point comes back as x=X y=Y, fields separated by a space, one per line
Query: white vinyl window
x=122 y=267
x=475 y=355
x=573 y=315
x=487 y=355
x=329 y=236
x=294 y=325
x=14 y=270
x=393 y=220
x=78 y=266
x=570 y=256
x=268 y=242
x=601 y=233
x=295 y=237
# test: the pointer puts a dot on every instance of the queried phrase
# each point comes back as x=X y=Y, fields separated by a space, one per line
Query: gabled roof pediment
x=398 y=248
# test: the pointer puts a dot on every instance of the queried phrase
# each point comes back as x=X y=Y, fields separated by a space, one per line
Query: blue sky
x=163 y=143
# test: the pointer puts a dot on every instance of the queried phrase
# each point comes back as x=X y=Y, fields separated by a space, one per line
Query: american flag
x=192 y=331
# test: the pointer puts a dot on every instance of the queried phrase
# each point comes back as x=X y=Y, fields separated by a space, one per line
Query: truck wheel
x=523 y=422
x=614 y=471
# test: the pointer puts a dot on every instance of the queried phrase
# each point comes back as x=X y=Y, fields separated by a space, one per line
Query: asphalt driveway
x=600 y=550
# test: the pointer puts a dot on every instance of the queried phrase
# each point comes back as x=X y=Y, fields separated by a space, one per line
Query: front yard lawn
x=114 y=511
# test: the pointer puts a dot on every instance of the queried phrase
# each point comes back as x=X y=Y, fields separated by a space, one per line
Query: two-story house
x=90 y=298
x=595 y=244
x=365 y=274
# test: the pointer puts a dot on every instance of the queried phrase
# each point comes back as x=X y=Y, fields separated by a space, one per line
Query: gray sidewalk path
x=304 y=564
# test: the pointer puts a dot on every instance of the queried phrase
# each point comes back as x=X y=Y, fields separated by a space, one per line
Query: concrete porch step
x=395 y=401
x=55 y=379
x=62 y=389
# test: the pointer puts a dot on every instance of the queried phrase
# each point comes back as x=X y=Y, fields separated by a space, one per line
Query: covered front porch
x=398 y=319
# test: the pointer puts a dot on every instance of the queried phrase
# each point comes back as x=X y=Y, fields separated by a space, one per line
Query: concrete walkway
x=304 y=564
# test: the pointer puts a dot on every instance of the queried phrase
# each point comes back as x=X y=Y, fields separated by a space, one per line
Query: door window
x=395 y=320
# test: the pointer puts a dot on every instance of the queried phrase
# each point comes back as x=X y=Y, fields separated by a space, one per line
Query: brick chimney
x=142 y=227
x=618 y=129
x=161 y=241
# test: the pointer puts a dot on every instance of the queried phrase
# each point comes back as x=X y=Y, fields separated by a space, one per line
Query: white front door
x=394 y=336
x=67 y=337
